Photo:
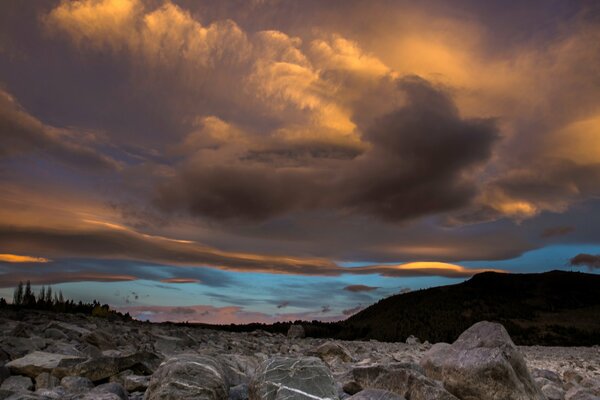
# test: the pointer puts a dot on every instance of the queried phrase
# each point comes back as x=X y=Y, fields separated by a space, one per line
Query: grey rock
x=403 y=379
x=352 y=387
x=376 y=394
x=76 y=384
x=53 y=333
x=412 y=340
x=37 y=362
x=296 y=332
x=290 y=378
x=112 y=388
x=136 y=383
x=4 y=373
x=484 y=364
x=46 y=381
x=331 y=353
x=239 y=392
x=580 y=393
x=571 y=376
x=17 y=383
x=239 y=368
x=553 y=392
x=188 y=376
x=57 y=393
x=101 y=368
x=550 y=376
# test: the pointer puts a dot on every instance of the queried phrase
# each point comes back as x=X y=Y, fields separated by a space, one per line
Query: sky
x=275 y=160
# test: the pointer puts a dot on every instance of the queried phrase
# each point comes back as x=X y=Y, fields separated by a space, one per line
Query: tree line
x=50 y=300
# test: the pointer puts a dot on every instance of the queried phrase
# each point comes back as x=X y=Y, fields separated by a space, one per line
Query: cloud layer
x=294 y=139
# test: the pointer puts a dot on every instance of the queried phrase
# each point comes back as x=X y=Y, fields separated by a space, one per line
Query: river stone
x=188 y=377
x=375 y=394
x=37 y=362
x=482 y=364
x=287 y=378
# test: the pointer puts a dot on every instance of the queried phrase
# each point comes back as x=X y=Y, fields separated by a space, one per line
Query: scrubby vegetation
x=46 y=299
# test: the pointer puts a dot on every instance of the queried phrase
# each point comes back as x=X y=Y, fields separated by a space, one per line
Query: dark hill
x=552 y=308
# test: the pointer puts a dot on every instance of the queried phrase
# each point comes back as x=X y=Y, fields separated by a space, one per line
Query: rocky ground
x=64 y=356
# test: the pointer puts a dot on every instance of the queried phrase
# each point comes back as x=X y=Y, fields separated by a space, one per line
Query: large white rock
x=37 y=362
x=291 y=378
x=482 y=364
x=188 y=377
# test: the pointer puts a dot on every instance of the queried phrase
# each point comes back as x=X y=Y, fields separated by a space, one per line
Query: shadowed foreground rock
x=482 y=364
x=285 y=378
x=188 y=376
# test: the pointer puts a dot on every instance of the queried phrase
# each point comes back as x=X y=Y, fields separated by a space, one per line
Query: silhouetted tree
x=49 y=296
x=42 y=296
x=28 y=296
x=18 y=294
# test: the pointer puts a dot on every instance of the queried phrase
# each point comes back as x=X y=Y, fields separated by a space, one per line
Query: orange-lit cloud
x=14 y=258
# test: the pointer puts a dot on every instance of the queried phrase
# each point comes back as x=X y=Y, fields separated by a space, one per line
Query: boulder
x=111 y=388
x=376 y=394
x=188 y=376
x=331 y=353
x=484 y=364
x=37 y=362
x=296 y=332
x=57 y=334
x=103 y=367
x=76 y=384
x=412 y=340
x=290 y=378
x=57 y=393
x=17 y=383
x=238 y=392
x=403 y=379
x=553 y=392
x=580 y=393
x=46 y=381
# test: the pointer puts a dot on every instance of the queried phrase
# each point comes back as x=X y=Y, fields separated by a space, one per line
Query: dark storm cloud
x=417 y=164
x=360 y=288
x=420 y=155
x=21 y=133
x=586 y=260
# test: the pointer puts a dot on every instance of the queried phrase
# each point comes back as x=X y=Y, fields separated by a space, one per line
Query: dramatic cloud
x=21 y=133
x=586 y=260
x=418 y=163
x=155 y=143
x=360 y=288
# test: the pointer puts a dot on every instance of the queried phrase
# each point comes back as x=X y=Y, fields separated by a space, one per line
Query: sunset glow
x=237 y=160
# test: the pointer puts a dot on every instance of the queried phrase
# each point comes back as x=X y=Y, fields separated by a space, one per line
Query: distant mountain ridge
x=551 y=308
